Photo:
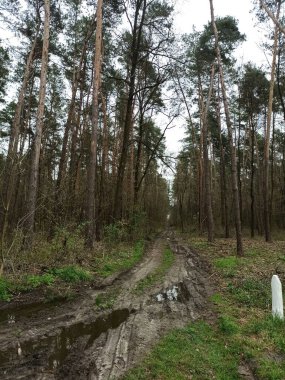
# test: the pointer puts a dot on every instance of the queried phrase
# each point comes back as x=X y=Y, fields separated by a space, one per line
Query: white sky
x=197 y=12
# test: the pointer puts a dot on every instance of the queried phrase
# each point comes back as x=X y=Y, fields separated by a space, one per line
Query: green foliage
x=124 y=230
x=4 y=71
x=34 y=281
x=155 y=276
x=116 y=232
x=5 y=294
x=195 y=352
x=72 y=274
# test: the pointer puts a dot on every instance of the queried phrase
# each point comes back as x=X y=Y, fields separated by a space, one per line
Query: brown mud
x=77 y=340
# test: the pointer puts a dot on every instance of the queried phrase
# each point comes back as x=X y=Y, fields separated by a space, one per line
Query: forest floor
x=186 y=309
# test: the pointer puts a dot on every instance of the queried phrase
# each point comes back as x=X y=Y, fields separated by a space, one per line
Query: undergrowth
x=45 y=272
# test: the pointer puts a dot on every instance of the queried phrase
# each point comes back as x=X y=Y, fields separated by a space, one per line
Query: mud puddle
x=15 y=314
x=50 y=352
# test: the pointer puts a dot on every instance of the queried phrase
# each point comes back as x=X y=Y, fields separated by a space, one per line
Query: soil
x=77 y=340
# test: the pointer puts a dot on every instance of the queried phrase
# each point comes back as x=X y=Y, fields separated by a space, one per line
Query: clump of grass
x=5 y=294
x=227 y=325
x=119 y=260
x=72 y=274
x=105 y=301
x=34 y=281
x=195 y=352
x=155 y=276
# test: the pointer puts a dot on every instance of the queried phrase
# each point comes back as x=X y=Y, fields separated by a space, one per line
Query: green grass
x=196 y=352
x=72 y=274
x=5 y=293
x=251 y=292
x=34 y=281
x=118 y=260
x=157 y=274
x=105 y=301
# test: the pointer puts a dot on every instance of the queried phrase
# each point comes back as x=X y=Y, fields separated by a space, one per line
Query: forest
x=88 y=91
x=86 y=100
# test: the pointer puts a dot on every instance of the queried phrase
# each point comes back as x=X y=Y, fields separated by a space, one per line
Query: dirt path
x=76 y=341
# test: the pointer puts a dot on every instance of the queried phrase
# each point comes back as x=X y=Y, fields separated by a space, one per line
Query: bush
x=116 y=232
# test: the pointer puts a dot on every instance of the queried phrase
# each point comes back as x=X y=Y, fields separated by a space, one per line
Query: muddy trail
x=77 y=340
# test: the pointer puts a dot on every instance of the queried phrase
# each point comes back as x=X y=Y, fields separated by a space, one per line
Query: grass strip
x=152 y=278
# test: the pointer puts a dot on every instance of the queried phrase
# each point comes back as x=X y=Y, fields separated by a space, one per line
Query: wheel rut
x=78 y=342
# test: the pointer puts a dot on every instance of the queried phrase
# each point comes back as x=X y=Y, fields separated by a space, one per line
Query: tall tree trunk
x=208 y=197
x=224 y=192
x=135 y=48
x=272 y=171
x=138 y=157
x=267 y=228
x=36 y=149
x=104 y=170
x=252 y=198
x=91 y=212
x=229 y=127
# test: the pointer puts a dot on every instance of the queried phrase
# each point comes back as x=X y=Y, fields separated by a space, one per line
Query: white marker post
x=277 y=298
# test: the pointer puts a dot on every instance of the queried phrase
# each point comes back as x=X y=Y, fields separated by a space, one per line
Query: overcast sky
x=197 y=12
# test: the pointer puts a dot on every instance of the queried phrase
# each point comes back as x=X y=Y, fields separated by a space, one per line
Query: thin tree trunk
x=272 y=171
x=34 y=173
x=267 y=228
x=104 y=171
x=91 y=212
x=208 y=197
x=224 y=195
x=252 y=203
x=229 y=127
